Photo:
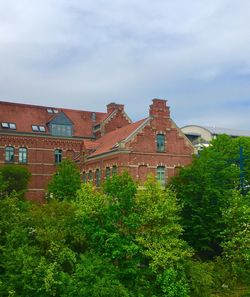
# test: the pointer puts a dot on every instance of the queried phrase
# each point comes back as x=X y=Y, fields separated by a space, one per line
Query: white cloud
x=83 y=54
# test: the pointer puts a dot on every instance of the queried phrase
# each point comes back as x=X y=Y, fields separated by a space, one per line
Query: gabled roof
x=24 y=116
x=110 y=141
x=61 y=119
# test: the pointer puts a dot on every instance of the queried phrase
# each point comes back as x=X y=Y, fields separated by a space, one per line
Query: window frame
x=114 y=170
x=61 y=130
x=98 y=177
x=7 y=153
x=107 y=173
x=160 y=142
x=23 y=151
x=58 y=156
x=84 y=177
x=161 y=175
x=90 y=176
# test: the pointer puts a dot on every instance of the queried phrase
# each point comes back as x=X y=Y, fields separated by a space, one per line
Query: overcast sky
x=84 y=54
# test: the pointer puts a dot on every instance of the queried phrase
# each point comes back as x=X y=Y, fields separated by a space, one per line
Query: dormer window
x=61 y=125
x=61 y=130
x=55 y=111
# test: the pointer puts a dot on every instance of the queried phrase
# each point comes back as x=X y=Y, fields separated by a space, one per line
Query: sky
x=84 y=54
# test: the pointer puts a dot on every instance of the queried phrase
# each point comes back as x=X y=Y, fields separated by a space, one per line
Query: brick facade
x=110 y=143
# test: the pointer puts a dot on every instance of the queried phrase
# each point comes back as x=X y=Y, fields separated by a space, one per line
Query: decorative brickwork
x=115 y=143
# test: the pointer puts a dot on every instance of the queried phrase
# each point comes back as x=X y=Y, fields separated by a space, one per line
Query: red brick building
x=101 y=143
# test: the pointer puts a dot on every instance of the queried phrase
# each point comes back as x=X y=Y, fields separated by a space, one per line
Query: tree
x=3 y=187
x=109 y=222
x=14 y=178
x=236 y=235
x=204 y=189
x=159 y=236
x=65 y=182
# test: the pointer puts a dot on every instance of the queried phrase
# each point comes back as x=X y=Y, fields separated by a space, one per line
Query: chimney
x=159 y=108
x=113 y=106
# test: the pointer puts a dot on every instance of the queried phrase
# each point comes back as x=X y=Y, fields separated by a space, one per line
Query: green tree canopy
x=14 y=178
x=204 y=188
x=65 y=182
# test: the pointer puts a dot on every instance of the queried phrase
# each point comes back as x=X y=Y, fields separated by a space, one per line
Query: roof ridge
x=50 y=106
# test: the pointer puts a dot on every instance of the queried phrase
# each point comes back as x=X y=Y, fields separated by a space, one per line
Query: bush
x=14 y=178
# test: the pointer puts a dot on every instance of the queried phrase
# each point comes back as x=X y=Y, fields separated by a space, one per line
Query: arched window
x=114 y=170
x=107 y=174
x=160 y=175
x=9 y=154
x=90 y=176
x=84 y=179
x=98 y=177
x=160 y=140
x=22 y=155
x=58 y=156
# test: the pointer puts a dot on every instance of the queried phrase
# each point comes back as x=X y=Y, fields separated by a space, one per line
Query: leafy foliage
x=236 y=235
x=117 y=241
x=205 y=188
x=14 y=178
x=65 y=182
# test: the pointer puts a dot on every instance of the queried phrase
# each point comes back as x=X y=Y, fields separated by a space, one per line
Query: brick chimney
x=113 y=106
x=159 y=108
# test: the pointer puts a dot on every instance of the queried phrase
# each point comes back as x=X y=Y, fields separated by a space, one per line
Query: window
x=11 y=126
x=61 y=130
x=22 y=155
x=114 y=170
x=107 y=173
x=93 y=116
x=41 y=128
x=84 y=179
x=98 y=177
x=90 y=176
x=51 y=110
x=9 y=154
x=160 y=139
x=5 y=125
x=161 y=175
x=35 y=128
x=58 y=156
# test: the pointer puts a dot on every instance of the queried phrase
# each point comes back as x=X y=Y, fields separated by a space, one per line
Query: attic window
x=42 y=128
x=52 y=110
x=37 y=128
x=93 y=116
x=11 y=126
x=5 y=125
